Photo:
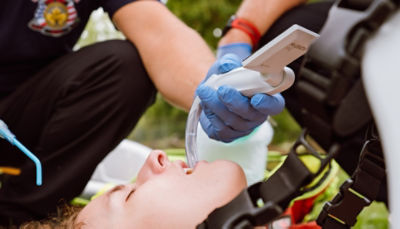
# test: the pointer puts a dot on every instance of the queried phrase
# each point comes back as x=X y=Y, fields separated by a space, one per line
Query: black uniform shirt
x=35 y=32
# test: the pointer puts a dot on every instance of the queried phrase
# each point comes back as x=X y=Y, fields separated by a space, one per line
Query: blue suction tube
x=10 y=137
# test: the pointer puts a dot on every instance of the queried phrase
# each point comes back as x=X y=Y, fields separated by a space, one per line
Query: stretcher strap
x=284 y=185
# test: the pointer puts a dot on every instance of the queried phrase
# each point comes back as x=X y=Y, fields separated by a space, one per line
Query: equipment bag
x=328 y=100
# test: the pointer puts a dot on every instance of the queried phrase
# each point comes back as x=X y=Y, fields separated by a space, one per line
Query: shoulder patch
x=54 y=17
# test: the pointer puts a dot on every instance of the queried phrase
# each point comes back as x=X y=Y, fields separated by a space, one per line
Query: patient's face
x=165 y=196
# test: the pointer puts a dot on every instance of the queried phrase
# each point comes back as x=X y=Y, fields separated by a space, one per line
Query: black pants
x=70 y=115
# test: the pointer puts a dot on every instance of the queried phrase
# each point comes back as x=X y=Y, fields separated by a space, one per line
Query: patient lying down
x=164 y=195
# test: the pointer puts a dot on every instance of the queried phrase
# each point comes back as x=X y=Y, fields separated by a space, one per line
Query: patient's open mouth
x=188 y=170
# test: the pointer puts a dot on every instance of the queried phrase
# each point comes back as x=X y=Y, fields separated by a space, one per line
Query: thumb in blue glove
x=242 y=50
x=227 y=114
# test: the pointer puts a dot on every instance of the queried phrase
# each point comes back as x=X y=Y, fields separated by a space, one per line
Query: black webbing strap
x=358 y=191
x=356 y=4
x=285 y=183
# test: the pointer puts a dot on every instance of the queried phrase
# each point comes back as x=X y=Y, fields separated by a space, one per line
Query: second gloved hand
x=227 y=114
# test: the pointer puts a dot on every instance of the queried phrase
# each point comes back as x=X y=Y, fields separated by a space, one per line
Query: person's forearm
x=262 y=13
x=174 y=55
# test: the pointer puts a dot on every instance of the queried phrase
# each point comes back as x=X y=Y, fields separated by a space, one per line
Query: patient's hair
x=64 y=219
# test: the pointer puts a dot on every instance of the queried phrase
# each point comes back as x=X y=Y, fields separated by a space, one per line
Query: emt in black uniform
x=71 y=108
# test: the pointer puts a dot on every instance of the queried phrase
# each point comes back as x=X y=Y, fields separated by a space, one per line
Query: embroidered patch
x=54 y=17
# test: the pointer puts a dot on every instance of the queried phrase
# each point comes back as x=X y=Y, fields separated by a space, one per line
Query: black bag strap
x=328 y=97
x=358 y=191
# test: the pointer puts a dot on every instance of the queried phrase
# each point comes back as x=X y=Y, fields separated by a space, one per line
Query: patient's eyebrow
x=116 y=188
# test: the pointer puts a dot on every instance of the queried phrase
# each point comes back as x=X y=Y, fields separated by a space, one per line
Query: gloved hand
x=227 y=114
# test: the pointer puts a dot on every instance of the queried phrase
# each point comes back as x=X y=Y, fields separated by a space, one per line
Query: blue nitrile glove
x=242 y=50
x=227 y=114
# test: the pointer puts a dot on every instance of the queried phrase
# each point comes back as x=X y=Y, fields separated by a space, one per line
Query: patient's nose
x=159 y=160
x=156 y=163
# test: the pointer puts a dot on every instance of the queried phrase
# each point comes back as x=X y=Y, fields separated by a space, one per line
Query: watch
x=244 y=25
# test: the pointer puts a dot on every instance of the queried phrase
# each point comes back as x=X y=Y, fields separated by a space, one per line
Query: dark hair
x=64 y=219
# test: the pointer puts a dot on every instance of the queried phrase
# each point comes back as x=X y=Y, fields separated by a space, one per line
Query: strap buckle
x=345 y=207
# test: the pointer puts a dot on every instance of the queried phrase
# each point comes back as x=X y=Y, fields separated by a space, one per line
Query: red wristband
x=248 y=28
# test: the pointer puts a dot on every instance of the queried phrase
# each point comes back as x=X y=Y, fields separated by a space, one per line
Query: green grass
x=374 y=217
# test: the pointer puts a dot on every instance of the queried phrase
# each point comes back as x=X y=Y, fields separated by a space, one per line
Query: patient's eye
x=130 y=193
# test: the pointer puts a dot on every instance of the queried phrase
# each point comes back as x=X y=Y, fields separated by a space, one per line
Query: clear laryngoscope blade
x=191 y=133
x=262 y=72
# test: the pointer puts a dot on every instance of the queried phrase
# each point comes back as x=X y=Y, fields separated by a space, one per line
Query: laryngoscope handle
x=262 y=72
x=254 y=83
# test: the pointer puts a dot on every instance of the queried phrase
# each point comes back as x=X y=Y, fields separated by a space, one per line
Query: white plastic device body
x=381 y=79
x=264 y=71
